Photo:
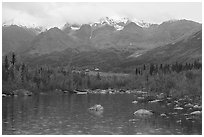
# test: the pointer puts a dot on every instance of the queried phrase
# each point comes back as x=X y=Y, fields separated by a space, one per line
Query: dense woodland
x=173 y=79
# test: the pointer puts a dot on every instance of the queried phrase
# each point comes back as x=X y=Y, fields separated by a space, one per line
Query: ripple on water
x=52 y=115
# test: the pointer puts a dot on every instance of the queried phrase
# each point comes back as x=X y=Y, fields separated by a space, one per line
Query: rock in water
x=178 y=108
x=197 y=107
x=135 y=102
x=163 y=115
x=154 y=101
x=140 y=98
x=161 y=96
x=128 y=91
x=22 y=92
x=96 y=108
x=3 y=95
x=143 y=112
x=188 y=105
x=196 y=113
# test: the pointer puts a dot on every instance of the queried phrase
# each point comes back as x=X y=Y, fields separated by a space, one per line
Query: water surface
x=69 y=114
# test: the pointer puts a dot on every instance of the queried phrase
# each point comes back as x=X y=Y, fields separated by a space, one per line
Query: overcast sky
x=57 y=14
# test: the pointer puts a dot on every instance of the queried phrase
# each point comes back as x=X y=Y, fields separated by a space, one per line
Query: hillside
x=187 y=49
x=103 y=45
x=16 y=38
x=53 y=40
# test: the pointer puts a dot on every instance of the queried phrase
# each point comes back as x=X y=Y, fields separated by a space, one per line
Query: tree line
x=16 y=75
x=153 y=69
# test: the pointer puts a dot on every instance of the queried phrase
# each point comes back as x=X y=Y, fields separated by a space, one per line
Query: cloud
x=57 y=14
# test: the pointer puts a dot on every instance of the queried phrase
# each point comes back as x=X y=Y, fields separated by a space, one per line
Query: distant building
x=96 y=69
x=87 y=70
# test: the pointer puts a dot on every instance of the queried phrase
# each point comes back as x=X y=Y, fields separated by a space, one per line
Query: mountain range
x=109 y=44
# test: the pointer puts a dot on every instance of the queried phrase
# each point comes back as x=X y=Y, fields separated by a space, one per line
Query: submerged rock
x=140 y=98
x=133 y=120
x=143 y=112
x=138 y=92
x=96 y=113
x=22 y=92
x=179 y=121
x=173 y=113
x=189 y=105
x=65 y=91
x=161 y=96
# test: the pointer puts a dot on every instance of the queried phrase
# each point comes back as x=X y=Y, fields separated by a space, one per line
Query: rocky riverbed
x=185 y=107
x=138 y=107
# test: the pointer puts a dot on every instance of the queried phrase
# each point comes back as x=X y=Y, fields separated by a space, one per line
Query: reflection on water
x=69 y=114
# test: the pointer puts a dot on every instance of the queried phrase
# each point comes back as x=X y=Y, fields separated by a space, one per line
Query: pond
x=69 y=114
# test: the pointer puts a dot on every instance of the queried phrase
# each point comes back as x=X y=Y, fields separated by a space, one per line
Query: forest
x=172 y=79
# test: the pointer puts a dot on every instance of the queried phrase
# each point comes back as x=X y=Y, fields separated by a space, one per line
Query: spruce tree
x=13 y=61
x=136 y=71
x=6 y=65
x=22 y=72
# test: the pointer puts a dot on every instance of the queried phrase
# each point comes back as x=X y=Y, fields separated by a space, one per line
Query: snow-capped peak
x=75 y=28
x=119 y=23
x=72 y=26
x=112 y=22
x=106 y=20
x=123 y=20
x=142 y=23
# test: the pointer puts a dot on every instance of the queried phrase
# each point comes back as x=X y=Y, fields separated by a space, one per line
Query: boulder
x=140 y=98
x=103 y=91
x=178 y=108
x=65 y=91
x=121 y=90
x=128 y=91
x=176 y=102
x=178 y=121
x=111 y=92
x=174 y=113
x=163 y=115
x=135 y=102
x=22 y=92
x=96 y=108
x=189 y=105
x=154 y=101
x=197 y=107
x=140 y=92
x=161 y=96
x=196 y=113
x=3 y=95
x=143 y=112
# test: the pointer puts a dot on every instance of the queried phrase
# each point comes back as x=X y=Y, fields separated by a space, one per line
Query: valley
x=102 y=45
x=60 y=78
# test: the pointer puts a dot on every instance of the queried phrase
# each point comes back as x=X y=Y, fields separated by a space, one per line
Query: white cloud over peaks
x=57 y=14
